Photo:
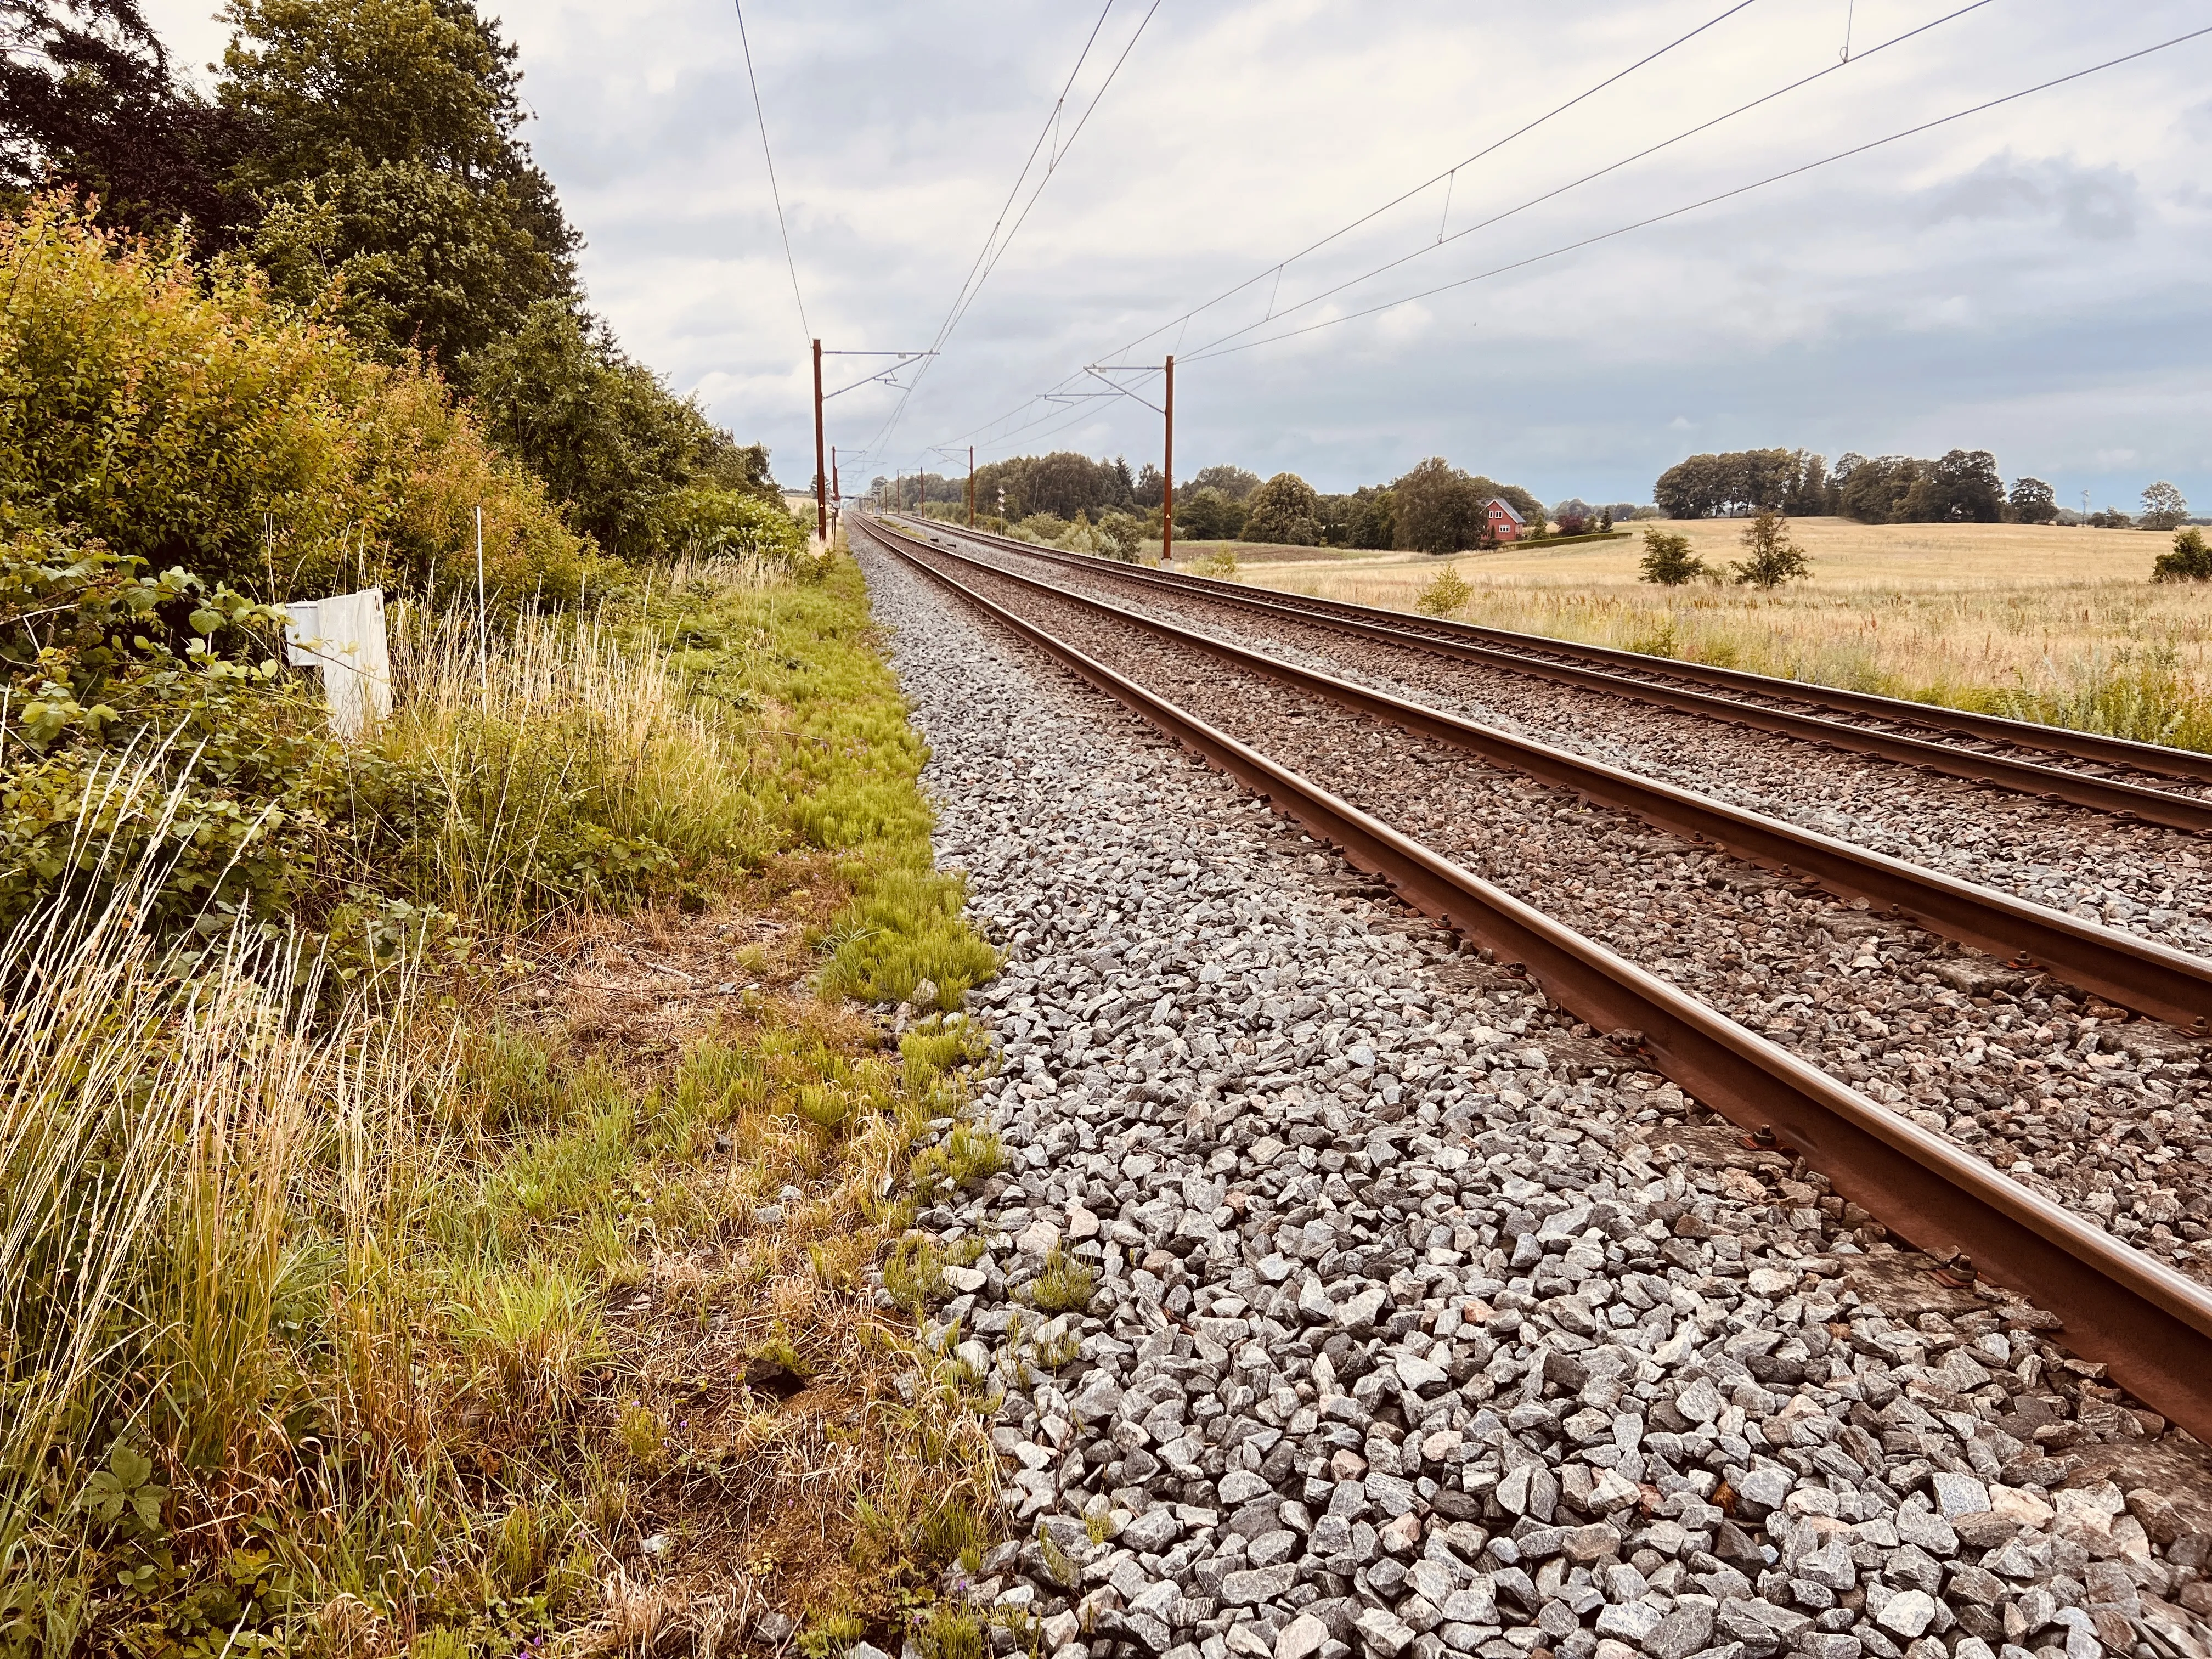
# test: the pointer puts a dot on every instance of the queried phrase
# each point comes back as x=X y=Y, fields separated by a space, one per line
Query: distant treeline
x=1436 y=508
x=1963 y=487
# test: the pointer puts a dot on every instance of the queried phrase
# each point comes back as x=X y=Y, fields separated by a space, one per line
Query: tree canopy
x=366 y=155
x=87 y=104
x=1744 y=480
x=1283 y=510
x=385 y=157
x=1234 y=482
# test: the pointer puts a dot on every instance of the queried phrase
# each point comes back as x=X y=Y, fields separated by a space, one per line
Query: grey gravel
x=2104 y=1115
x=1424 y=1324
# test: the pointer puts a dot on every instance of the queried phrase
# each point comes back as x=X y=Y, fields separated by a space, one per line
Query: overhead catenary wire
x=1709 y=201
x=775 y=193
x=1447 y=176
x=995 y=244
x=1588 y=178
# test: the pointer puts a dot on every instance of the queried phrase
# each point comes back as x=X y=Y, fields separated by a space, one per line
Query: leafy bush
x=1775 y=559
x=1119 y=536
x=2190 y=561
x=1445 y=592
x=181 y=417
x=135 y=738
x=1668 y=559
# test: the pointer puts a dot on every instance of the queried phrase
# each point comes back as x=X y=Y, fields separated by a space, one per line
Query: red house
x=1505 y=525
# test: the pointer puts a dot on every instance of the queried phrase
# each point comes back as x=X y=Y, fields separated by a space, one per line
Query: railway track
x=2150 y=1323
x=2135 y=781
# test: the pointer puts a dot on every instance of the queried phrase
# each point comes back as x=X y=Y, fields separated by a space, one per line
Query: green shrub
x=1444 y=593
x=2190 y=561
x=180 y=416
x=1774 y=558
x=1668 y=559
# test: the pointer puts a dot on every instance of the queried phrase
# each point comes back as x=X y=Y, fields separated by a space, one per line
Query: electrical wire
x=987 y=260
x=1709 y=201
x=1576 y=183
x=805 y=331
x=1445 y=177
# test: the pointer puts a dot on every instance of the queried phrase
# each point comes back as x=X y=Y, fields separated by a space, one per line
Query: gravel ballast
x=2139 y=878
x=1423 y=1324
x=2102 y=1113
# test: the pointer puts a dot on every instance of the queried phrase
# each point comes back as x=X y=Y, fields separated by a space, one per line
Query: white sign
x=344 y=636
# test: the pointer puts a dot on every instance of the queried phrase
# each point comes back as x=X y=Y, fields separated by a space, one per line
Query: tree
x=1445 y=594
x=1668 y=559
x=1234 y=482
x=609 y=436
x=1335 y=514
x=1149 y=487
x=1572 y=515
x=1374 y=517
x=87 y=105
x=2190 y=561
x=1775 y=559
x=1808 y=494
x=1879 y=491
x=1962 y=488
x=1205 y=514
x=2163 y=507
x=1283 y=510
x=2032 y=502
x=1703 y=485
x=1438 y=508
x=385 y=154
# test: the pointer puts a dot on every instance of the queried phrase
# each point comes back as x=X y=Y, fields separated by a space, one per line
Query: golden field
x=2061 y=625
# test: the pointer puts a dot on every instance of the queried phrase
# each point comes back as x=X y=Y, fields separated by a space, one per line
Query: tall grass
x=303 y=1336
x=153 y=1122
x=566 y=762
x=2125 y=659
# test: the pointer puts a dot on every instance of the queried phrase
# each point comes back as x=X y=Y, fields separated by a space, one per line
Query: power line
x=988 y=257
x=1445 y=177
x=1576 y=183
x=1723 y=196
x=776 y=194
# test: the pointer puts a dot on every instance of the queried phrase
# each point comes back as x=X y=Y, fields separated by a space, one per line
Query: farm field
x=2039 y=622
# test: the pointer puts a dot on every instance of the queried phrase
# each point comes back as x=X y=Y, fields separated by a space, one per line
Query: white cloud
x=2018 y=281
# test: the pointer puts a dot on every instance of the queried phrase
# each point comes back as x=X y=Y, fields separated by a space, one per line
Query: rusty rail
x=2134 y=973
x=1463 y=642
x=2150 y=1325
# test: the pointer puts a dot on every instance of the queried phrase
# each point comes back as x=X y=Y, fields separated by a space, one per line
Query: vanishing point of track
x=2152 y=1325
x=2051 y=763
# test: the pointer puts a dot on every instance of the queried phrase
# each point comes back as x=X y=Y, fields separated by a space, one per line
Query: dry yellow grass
x=2045 y=624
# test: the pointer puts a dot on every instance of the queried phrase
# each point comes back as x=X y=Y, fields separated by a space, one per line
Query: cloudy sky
x=2031 y=279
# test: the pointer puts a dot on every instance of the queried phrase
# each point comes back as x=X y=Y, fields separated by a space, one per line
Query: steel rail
x=1996 y=728
x=2132 y=972
x=2152 y=1326
x=2110 y=795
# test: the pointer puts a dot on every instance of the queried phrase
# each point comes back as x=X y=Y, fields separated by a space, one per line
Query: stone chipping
x=2063 y=1094
x=2139 y=878
x=1424 y=1324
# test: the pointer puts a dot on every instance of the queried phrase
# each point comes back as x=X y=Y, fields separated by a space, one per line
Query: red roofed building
x=1505 y=525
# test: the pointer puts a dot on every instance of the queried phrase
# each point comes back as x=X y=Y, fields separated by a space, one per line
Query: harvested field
x=2043 y=623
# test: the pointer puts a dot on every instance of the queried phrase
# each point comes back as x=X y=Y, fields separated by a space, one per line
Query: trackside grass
x=514 y=1284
